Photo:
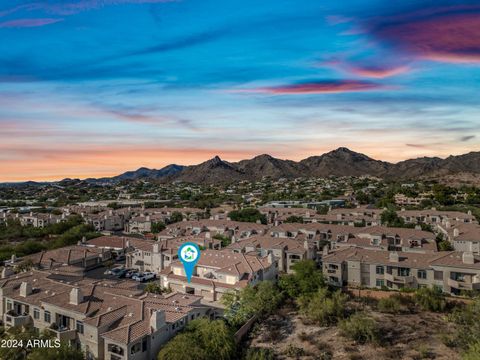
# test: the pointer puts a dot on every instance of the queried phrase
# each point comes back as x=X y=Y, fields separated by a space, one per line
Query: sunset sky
x=94 y=88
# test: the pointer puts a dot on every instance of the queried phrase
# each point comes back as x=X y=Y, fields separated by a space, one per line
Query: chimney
x=456 y=232
x=157 y=320
x=270 y=258
x=448 y=225
x=467 y=258
x=25 y=289
x=110 y=213
x=325 y=250
x=6 y=272
x=207 y=235
x=418 y=227
x=469 y=212
x=234 y=239
x=31 y=213
x=393 y=257
x=305 y=245
x=258 y=222
x=147 y=218
x=13 y=259
x=84 y=239
x=76 y=296
x=156 y=248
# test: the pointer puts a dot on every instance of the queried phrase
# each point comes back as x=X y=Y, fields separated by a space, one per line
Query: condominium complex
x=107 y=320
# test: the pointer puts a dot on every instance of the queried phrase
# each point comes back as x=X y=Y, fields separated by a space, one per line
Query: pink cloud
x=447 y=34
x=316 y=87
x=25 y=23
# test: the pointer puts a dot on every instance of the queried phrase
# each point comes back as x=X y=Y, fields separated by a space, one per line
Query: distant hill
x=339 y=162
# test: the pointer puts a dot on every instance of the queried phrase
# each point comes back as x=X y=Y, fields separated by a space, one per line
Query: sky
x=94 y=88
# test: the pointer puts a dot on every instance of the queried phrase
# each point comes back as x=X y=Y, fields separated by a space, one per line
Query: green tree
x=64 y=352
x=294 y=219
x=158 y=227
x=430 y=299
x=247 y=215
x=261 y=300
x=203 y=339
x=175 y=217
x=306 y=279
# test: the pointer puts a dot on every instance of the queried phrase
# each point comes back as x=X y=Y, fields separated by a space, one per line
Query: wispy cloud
x=467 y=138
x=27 y=23
x=442 y=33
x=315 y=87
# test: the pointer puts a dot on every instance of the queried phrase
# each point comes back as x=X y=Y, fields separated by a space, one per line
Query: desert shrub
x=257 y=353
x=473 y=352
x=323 y=307
x=360 y=328
x=391 y=305
x=294 y=351
x=430 y=299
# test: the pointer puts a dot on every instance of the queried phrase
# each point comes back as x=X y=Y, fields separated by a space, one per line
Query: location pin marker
x=189 y=253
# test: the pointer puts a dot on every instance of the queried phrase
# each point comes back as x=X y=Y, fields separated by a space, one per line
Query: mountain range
x=339 y=162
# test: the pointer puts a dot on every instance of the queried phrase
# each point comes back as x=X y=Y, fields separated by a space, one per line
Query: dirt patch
x=405 y=336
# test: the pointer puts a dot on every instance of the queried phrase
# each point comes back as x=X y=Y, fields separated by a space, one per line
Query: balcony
x=11 y=318
x=463 y=284
x=64 y=333
x=398 y=279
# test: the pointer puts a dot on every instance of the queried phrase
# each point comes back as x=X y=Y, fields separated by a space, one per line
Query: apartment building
x=105 y=221
x=40 y=220
x=75 y=258
x=435 y=217
x=227 y=228
x=220 y=271
x=463 y=237
x=391 y=239
x=451 y=271
x=286 y=251
x=107 y=320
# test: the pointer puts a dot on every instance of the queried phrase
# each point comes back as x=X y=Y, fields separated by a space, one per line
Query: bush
x=391 y=305
x=323 y=308
x=259 y=354
x=306 y=279
x=430 y=299
x=294 y=351
x=473 y=352
x=202 y=339
x=361 y=328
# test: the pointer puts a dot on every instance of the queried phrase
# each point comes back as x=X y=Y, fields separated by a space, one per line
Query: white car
x=144 y=276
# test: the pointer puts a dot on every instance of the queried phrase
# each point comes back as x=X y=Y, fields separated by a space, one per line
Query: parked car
x=144 y=276
x=131 y=273
x=121 y=273
x=117 y=271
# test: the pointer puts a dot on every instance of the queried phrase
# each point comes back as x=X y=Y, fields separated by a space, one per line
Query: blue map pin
x=189 y=253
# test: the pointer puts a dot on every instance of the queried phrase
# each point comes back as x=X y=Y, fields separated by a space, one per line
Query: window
x=380 y=283
x=438 y=275
x=47 y=316
x=9 y=305
x=36 y=314
x=403 y=271
x=380 y=270
x=136 y=348
x=80 y=327
x=144 y=345
x=422 y=274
